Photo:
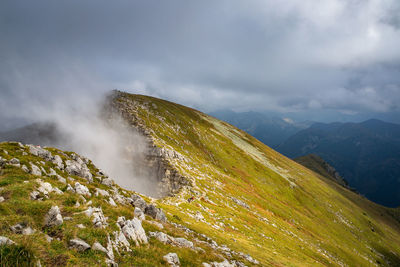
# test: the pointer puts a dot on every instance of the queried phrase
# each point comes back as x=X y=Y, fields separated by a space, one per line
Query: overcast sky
x=302 y=56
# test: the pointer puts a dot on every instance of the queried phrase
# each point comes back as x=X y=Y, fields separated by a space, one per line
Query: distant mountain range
x=367 y=154
x=271 y=130
x=43 y=133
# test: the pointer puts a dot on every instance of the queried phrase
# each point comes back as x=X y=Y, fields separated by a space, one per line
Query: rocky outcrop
x=133 y=230
x=22 y=228
x=79 y=245
x=99 y=220
x=53 y=217
x=172 y=259
x=170 y=181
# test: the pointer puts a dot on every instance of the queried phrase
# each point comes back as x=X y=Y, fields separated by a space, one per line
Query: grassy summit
x=242 y=201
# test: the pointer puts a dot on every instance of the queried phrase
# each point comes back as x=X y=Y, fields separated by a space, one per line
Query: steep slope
x=320 y=166
x=366 y=154
x=254 y=200
x=58 y=209
x=270 y=130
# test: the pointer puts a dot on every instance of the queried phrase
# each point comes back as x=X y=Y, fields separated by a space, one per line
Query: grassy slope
x=307 y=220
x=15 y=187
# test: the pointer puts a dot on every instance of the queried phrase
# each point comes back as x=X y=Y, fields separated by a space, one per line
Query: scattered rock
x=240 y=203
x=40 y=152
x=70 y=188
x=99 y=220
x=138 y=213
x=80 y=226
x=107 y=181
x=79 y=245
x=14 y=162
x=2 y=199
x=22 y=228
x=182 y=242
x=101 y=192
x=58 y=162
x=52 y=172
x=172 y=259
x=78 y=168
x=53 y=217
x=6 y=241
x=61 y=179
x=25 y=169
x=35 y=170
x=121 y=241
x=82 y=190
x=57 y=191
x=133 y=230
x=167 y=239
x=35 y=195
x=112 y=202
x=225 y=263
x=139 y=202
x=97 y=246
x=155 y=213
x=162 y=237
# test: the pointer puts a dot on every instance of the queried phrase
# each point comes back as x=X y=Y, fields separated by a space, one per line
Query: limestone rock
x=139 y=202
x=40 y=152
x=2 y=199
x=78 y=168
x=82 y=190
x=99 y=220
x=25 y=169
x=172 y=259
x=79 y=245
x=107 y=182
x=35 y=195
x=53 y=217
x=183 y=243
x=61 y=179
x=133 y=230
x=15 y=162
x=225 y=263
x=22 y=228
x=138 y=213
x=112 y=202
x=58 y=162
x=155 y=213
x=101 y=192
x=35 y=170
x=97 y=246
x=6 y=241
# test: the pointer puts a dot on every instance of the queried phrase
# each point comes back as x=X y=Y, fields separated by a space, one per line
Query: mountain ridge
x=257 y=206
x=367 y=154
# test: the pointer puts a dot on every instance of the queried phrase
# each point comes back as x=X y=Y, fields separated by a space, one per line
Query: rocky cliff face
x=157 y=158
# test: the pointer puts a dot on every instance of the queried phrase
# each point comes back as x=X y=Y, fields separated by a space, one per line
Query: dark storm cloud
x=276 y=55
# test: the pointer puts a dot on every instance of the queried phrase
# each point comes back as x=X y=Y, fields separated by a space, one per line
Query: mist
x=112 y=145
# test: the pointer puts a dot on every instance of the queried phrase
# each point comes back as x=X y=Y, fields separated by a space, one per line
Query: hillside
x=366 y=154
x=223 y=190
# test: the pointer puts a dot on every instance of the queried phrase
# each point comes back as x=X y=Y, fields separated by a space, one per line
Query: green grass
x=313 y=222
